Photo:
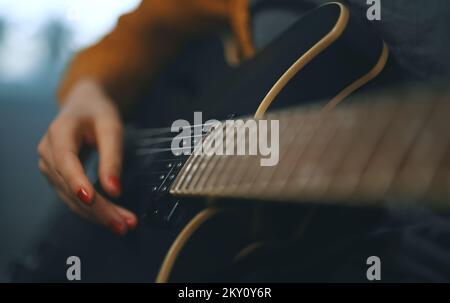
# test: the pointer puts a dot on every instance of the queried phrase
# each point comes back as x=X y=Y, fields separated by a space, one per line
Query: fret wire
x=296 y=151
x=383 y=154
x=353 y=165
x=339 y=146
x=179 y=180
x=291 y=149
x=287 y=150
x=212 y=164
x=209 y=167
x=253 y=163
x=311 y=125
x=225 y=171
x=178 y=185
x=422 y=161
x=440 y=185
x=306 y=164
x=263 y=174
x=237 y=165
x=232 y=169
x=195 y=158
x=216 y=168
x=206 y=160
x=240 y=183
x=387 y=155
x=211 y=170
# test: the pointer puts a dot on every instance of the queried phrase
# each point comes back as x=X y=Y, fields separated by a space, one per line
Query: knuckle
x=111 y=125
x=90 y=209
x=117 y=128
x=41 y=148
x=42 y=167
x=100 y=216
x=53 y=127
x=60 y=171
x=59 y=162
x=60 y=174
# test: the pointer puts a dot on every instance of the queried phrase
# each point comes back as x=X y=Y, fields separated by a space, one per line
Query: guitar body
x=325 y=55
x=337 y=50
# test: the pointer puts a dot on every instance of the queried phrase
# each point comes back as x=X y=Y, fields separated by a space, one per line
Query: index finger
x=65 y=147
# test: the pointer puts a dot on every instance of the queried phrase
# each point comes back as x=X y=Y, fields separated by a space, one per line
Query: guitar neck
x=393 y=149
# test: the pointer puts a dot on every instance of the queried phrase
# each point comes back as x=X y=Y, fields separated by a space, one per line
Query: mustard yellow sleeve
x=145 y=39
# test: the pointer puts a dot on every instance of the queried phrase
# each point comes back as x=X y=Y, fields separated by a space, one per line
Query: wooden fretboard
x=393 y=149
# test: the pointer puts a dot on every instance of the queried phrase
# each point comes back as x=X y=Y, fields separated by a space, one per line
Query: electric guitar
x=209 y=217
x=326 y=55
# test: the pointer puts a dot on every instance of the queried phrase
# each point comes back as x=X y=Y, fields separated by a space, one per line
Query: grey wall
x=25 y=198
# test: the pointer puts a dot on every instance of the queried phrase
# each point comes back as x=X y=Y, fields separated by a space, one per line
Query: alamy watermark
x=373 y=272
x=73 y=272
x=374 y=10
x=232 y=137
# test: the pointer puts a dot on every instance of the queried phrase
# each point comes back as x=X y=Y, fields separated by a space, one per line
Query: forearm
x=144 y=40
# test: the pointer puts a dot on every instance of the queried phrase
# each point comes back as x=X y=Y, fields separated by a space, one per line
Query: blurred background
x=37 y=38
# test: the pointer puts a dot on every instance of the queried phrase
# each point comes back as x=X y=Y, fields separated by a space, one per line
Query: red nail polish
x=131 y=223
x=117 y=227
x=83 y=196
x=115 y=184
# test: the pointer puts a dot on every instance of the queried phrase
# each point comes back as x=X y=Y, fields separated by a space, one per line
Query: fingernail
x=115 y=184
x=83 y=196
x=117 y=227
x=131 y=223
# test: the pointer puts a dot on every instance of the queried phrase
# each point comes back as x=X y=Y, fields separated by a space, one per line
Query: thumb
x=109 y=137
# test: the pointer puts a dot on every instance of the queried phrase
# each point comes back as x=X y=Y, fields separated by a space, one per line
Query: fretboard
x=393 y=149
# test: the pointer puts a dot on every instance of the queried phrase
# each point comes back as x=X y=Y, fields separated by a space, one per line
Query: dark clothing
x=416 y=31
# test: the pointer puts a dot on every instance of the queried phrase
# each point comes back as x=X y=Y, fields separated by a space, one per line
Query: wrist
x=83 y=90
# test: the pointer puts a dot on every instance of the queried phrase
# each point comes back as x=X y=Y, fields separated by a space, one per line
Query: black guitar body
x=200 y=79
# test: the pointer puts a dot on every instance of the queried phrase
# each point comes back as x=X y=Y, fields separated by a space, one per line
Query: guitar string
x=144 y=145
x=144 y=142
x=150 y=151
x=149 y=132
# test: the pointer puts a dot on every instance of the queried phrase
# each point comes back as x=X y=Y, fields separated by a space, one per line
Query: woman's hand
x=88 y=117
